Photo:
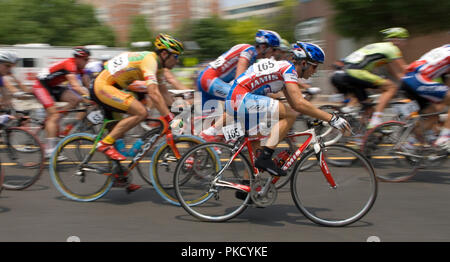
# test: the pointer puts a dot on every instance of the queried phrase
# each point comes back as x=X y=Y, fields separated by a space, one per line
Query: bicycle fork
x=324 y=166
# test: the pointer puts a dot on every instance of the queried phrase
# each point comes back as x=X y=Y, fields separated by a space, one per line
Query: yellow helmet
x=169 y=43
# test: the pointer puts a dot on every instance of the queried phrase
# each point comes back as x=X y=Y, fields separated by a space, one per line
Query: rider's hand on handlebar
x=340 y=123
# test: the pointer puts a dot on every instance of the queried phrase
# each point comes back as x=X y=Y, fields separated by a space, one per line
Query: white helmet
x=8 y=57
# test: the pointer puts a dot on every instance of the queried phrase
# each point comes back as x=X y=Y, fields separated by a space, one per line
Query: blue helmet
x=313 y=52
x=271 y=38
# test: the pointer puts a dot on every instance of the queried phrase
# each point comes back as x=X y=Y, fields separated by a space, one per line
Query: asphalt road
x=416 y=210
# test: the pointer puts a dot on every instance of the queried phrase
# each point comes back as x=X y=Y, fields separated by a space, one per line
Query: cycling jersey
x=213 y=80
x=372 y=56
x=111 y=85
x=423 y=76
x=50 y=83
x=1 y=81
x=93 y=68
x=248 y=96
x=56 y=74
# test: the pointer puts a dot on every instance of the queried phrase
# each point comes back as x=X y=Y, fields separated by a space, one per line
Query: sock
x=211 y=131
x=108 y=140
x=267 y=153
x=51 y=144
x=444 y=136
x=376 y=119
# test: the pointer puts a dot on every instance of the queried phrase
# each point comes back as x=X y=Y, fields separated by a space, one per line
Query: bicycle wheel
x=83 y=176
x=23 y=157
x=392 y=159
x=202 y=196
x=352 y=197
x=163 y=165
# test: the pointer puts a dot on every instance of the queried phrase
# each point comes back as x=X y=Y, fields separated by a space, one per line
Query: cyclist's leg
x=117 y=100
x=363 y=79
x=51 y=122
x=212 y=88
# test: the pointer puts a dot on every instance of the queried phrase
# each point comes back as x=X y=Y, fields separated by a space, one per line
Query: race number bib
x=95 y=117
x=217 y=63
x=265 y=67
x=118 y=63
x=233 y=131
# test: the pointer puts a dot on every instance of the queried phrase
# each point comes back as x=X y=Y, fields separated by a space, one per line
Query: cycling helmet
x=166 y=42
x=81 y=51
x=284 y=45
x=312 y=52
x=268 y=37
x=8 y=57
x=395 y=32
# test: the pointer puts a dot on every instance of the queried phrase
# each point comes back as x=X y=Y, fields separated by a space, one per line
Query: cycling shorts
x=212 y=87
x=356 y=81
x=432 y=91
x=111 y=97
x=48 y=95
x=249 y=109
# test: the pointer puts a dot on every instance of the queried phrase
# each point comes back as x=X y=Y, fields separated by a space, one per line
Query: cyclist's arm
x=397 y=68
x=157 y=99
x=298 y=103
x=73 y=81
x=12 y=89
x=170 y=77
x=242 y=65
x=85 y=79
x=168 y=99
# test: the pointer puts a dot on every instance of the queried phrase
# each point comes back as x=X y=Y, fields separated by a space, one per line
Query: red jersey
x=56 y=74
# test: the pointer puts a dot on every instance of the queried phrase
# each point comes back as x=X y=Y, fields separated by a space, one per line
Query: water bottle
x=120 y=146
x=135 y=148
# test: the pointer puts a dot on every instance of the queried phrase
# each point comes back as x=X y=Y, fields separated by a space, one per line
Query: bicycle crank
x=263 y=195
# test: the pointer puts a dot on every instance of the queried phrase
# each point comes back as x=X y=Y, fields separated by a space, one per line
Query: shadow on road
x=428 y=176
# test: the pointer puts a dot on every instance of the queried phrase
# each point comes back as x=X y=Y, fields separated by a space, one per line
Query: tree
x=212 y=36
x=56 y=22
x=362 y=18
x=284 y=22
x=139 y=30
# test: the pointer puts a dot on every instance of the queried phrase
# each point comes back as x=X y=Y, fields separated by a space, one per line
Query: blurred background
x=43 y=31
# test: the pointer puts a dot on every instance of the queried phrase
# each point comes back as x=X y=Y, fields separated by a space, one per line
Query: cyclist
x=111 y=88
x=8 y=60
x=48 y=88
x=357 y=74
x=248 y=98
x=213 y=81
x=93 y=69
x=427 y=80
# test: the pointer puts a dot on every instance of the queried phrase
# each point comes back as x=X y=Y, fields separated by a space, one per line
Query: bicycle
x=22 y=153
x=399 y=149
x=88 y=175
x=210 y=195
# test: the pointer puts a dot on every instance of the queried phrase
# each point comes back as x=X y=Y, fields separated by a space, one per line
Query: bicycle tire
x=79 y=192
x=389 y=165
x=209 y=205
x=308 y=189
x=24 y=156
x=163 y=156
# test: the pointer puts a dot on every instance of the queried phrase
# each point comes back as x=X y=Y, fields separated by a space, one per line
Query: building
x=257 y=8
x=162 y=15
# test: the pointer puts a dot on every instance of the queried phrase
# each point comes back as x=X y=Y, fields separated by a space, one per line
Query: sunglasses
x=176 y=56
x=314 y=65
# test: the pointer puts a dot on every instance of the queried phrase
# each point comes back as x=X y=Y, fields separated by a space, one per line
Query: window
x=27 y=62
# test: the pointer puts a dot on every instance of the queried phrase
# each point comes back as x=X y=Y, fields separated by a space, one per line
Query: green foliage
x=212 y=36
x=362 y=18
x=56 y=22
x=140 y=31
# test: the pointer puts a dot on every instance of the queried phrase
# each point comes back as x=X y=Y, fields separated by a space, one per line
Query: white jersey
x=268 y=76
x=433 y=64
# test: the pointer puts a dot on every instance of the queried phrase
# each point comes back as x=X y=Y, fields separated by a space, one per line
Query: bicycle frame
x=311 y=140
x=149 y=141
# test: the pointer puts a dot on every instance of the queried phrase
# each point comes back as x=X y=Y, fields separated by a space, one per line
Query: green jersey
x=372 y=56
